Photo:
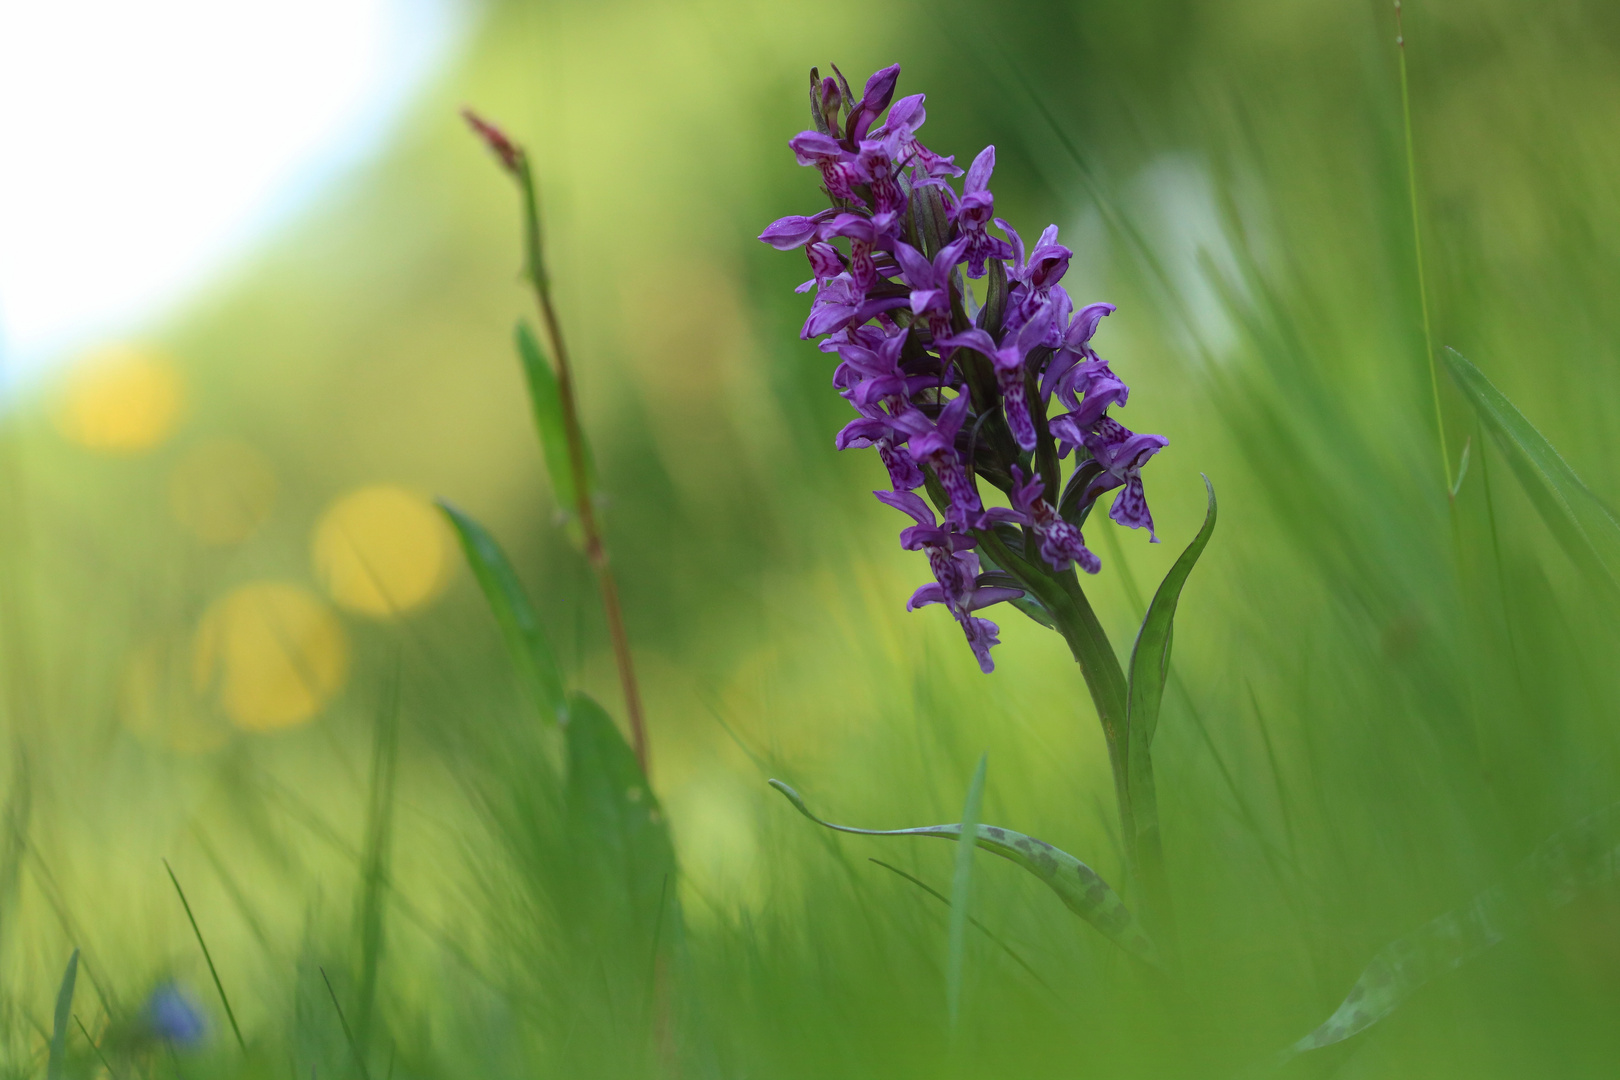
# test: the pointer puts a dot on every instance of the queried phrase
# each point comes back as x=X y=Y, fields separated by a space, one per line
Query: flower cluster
x=945 y=388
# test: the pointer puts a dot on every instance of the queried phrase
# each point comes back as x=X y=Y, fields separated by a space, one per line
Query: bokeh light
x=121 y=399
x=381 y=551
x=271 y=654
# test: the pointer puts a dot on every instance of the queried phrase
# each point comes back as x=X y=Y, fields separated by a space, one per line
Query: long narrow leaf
x=962 y=892
x=64 y=1013
x=1582 y=524
x=1080 y=887
x=546 y=401
x=1564 y=866
x=526 y=643
x=1150 y=657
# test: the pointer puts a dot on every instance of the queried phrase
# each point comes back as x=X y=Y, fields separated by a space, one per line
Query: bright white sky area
x=143 y=143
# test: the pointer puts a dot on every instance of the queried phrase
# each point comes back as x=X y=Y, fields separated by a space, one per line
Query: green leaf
x=1583 y=526
x=1081 y=889
x=1564 y=866
x=625 y=859
x=1150 y=657
x=962 y=891
x=548 y=421
x=526 y=643
x=64 y=1012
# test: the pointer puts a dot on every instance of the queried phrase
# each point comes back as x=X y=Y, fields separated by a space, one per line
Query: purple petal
x=861 y=433
x=785 y=234
x=928 y=594
x=1131 y=509
x=978 y=174
x=1015 y=404
x=1085 y=324
x=908 y=502
x=812 y=148
x=974 y=338
x=951 y=417
x=981 y=635
x=879 y=91
x=984 y=596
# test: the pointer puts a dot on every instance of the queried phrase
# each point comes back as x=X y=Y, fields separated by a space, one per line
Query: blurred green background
x=1379 y=704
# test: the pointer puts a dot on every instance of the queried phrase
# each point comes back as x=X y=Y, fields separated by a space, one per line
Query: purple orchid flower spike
x=936 y=448
x=930 y=282
x=1122 y=453
x=973 y=212
x=896 y=368
x=1060 y=542
x=1009 y=364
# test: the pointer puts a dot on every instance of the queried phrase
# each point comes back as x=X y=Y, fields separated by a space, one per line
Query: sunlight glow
x=144 y=143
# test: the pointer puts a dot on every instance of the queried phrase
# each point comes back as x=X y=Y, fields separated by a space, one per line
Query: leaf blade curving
x=1587 y=529
x=1563 y=866
x=525 y=641
x=545 y=399
x=1082 y=889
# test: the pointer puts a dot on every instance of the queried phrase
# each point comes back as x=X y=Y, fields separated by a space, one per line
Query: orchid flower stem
x=1074 y=618
x=595 y=551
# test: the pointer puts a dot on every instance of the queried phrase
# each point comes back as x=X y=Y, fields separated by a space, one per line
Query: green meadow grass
x=1381 y=701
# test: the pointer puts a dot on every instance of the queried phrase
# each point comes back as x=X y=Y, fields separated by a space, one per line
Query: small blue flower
x=172 y=1016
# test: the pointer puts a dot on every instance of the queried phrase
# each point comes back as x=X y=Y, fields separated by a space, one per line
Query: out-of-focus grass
x=1380 y=702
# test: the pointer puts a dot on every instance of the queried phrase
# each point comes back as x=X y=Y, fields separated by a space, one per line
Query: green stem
x=1105 y=678
x=595 y=550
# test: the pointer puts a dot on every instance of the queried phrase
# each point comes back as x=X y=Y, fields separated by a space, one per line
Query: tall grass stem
x=348 y=1035
x=207 y=957
x=595 y=550
x=1417 y=249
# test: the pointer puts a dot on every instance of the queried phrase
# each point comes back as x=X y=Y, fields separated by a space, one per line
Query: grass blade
x=105 y=1064
x=962 y=892
x=375 y=857
x=1001 y=944
x=348 y=1036
x=1082 y=889
x=1582 y=524
x=64 y=1013
x=195 y=929
x=531 y=653
x=1561 y=868
x=546 y=400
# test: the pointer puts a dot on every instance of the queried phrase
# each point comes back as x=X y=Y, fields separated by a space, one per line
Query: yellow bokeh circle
x=382 y=550
x=121 y=399
x=222 y=490
x=271 y=654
